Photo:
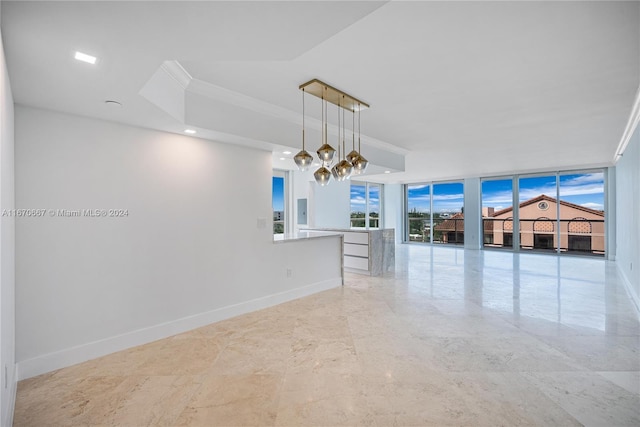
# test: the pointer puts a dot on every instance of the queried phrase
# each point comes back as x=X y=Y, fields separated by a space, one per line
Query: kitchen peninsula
x=366 y=251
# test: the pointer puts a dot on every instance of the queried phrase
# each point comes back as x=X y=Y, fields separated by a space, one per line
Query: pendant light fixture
x=344 y=166
x=347 y=164
x=325 y=152
x=353 y=155
x=303 y=159
x=334 y=169
x=360 y=164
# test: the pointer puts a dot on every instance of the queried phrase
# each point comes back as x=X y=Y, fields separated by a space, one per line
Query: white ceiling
x=461 y=88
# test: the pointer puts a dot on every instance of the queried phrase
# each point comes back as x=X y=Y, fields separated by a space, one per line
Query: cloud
x=497 y=198
x=582 y=179
x=595 y=206
x=448 y=197
x=358 y=200
x=422 y=197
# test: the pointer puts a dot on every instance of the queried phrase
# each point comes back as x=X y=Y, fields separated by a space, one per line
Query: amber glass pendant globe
x=322 y=176
x=303 y=160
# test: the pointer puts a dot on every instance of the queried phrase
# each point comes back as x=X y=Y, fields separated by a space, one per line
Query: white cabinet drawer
x=360 y=238
x=357 y=250
x=355 y=262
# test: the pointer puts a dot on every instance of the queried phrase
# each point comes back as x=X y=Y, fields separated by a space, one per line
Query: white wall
x=7 y=249
x=627 y=179
x=300 y=189
x=190 y=251
x=472 y=213
x=392 y=216
x=331 y=204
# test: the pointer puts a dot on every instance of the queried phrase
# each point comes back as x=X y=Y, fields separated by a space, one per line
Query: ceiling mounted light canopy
x=346 y=164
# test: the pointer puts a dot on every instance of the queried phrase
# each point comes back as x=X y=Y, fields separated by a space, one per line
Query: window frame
x=557 y=228
x=405 y=216
x=286 y=220
x=367 y=217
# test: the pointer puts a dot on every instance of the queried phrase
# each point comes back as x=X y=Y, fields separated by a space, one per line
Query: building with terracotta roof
x=451 y=230
x=581 y=228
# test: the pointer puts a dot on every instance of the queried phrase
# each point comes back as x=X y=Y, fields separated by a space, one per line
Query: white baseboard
x=78 y=354
x=635 y=298
x=13 y=389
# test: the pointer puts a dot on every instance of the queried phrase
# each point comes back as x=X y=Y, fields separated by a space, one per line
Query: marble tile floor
x=451 y=337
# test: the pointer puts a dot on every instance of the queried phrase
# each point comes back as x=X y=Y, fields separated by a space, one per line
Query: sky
x=358 y=198
x=277 y=186
x=447 y=198
x=585 y=189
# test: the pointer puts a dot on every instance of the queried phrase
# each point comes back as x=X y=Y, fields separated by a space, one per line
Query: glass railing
x=359 y=222
x=577 y=236
x=419 y=230
x=448 y=230
x=497 y=233
x=445 y=230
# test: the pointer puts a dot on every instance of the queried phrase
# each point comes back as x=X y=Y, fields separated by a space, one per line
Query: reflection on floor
x=453 y=337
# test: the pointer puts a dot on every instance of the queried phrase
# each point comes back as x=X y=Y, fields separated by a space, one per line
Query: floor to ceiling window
x=497 y=213
x=581 y=204
x=447 y=213
x=562 y=212
x=358 y=204
x=538 y=212
x=366 y=204
x=434 y=213
x=374 y=199
x=418 y=208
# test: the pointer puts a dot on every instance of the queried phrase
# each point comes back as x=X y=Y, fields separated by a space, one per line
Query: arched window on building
x=543 y=233
x=580 y=233
x=507 y=232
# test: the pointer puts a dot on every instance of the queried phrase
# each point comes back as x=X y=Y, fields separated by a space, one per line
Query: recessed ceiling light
x=189 y=131
x=85 y=58
x=286 y=152
x=387 y=171
x=282 y=158
x=112 y=103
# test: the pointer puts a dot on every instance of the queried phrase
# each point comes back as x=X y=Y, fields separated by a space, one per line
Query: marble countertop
x=343 y=230
x=303 y=235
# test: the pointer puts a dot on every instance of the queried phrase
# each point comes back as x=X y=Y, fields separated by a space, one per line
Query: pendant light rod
x=303 y=159
x=353 y=130
x=324 y=121
x=359 y=147
x=303 y=119
x=339 y=134
x=323 y=127
x=344 y=149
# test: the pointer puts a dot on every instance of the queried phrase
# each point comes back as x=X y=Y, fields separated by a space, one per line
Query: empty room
x=322 y=213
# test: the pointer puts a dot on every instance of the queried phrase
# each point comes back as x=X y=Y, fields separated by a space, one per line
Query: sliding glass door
x=497 y=213
x=418 y=208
